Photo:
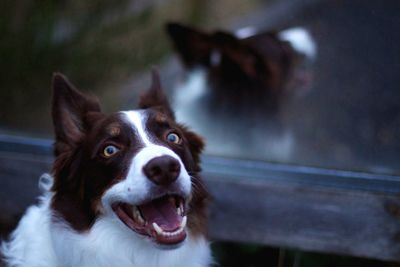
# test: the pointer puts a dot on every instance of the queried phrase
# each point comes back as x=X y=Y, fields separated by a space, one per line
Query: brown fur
x=193 y=145
x=82 y=175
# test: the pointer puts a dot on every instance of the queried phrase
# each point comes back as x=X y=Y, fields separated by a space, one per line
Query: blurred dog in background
x=237 y=84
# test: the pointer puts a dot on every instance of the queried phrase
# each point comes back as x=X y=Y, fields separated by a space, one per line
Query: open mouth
x=163 y=219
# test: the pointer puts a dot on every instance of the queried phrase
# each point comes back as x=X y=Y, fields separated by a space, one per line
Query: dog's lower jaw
x=41 y=241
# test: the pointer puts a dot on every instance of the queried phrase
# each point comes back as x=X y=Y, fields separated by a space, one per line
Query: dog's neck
x=55 y=244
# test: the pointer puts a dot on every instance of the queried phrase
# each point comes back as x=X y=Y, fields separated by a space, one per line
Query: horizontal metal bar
x=249 y=169
x=11 y=143
x=310 y=176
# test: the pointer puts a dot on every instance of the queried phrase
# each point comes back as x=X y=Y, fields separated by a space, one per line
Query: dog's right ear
x=155 y=97
x=70 y=112
x=193 y=46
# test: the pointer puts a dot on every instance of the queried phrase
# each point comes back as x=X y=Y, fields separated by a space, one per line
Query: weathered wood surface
x=351 y=223
x=310 y=209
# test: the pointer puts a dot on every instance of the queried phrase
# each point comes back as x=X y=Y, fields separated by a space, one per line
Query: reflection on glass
x=238 y=84
x=300 y=82
x=322 y=91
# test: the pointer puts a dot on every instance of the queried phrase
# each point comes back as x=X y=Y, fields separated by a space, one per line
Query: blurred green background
x=98 y=44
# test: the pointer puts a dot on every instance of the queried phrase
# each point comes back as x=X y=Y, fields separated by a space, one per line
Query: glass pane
x=309 y=83
x=335 y=107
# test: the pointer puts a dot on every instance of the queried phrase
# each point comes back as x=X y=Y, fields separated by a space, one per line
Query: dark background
x=350 y=119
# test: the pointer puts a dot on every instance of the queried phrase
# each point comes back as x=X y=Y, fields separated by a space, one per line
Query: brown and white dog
x=246 y=69
x=126 y=189
x=241 y=80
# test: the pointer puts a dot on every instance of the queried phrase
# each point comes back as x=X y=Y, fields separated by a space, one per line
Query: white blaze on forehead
x=136 y=187
x=138 y=119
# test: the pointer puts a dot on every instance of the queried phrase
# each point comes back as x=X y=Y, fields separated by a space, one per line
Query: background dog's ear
x=154 y=97
x=194 y=47
x=70 y=109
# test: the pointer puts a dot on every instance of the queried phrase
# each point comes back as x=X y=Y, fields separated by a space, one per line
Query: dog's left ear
x=155 y=97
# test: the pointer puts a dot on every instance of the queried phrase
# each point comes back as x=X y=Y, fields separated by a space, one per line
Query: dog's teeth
x=184 y=222
x=158 y=229
x=169 y=234
x=138 y=216
x=179 y=210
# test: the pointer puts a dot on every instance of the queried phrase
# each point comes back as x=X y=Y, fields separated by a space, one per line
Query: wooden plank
x=308 y=209
x=308 y=218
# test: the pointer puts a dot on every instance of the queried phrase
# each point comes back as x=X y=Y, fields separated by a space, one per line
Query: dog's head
x=246 y=68
x=139 y=167
x=262 y=57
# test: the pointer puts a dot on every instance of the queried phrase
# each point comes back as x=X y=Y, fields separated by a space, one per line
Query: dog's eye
x=110 y=151
x=173 y=138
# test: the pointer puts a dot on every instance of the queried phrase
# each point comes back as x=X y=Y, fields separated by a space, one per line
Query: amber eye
x=173 y=138
x=109 y=151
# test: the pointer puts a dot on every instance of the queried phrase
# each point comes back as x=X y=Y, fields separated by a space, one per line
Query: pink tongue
x=162 y=212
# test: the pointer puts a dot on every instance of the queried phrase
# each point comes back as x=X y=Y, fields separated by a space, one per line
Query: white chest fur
x=37 y=242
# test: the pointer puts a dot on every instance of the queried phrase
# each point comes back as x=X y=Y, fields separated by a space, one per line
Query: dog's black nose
x=162 y=170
